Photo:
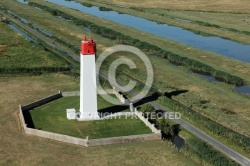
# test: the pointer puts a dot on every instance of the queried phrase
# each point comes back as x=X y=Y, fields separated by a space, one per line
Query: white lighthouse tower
x=88 y=91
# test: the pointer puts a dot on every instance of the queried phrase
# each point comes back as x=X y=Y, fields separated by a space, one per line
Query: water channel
x=209 y=43
x=21 y=33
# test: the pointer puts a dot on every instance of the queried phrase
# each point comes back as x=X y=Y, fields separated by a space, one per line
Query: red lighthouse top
x=88 y=46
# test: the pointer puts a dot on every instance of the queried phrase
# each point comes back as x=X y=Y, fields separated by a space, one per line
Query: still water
x=21 y=32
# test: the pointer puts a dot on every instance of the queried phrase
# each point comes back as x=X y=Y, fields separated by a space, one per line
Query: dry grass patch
x=2 y=48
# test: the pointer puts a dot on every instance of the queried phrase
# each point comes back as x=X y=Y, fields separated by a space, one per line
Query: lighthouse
x=88 y=91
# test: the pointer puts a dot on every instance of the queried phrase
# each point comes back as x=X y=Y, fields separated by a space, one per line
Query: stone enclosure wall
x=42 y=101
x=145 y=120
x=74 y=140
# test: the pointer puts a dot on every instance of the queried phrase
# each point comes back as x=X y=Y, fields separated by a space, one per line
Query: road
x=216 y=144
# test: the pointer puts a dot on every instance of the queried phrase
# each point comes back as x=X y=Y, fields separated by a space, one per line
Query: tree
x=165 y=128
x=147 y=110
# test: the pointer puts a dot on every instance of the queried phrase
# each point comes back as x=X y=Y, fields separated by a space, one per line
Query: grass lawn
x=52 y=117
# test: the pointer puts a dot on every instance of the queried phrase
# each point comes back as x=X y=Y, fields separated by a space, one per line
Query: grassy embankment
x=202 y=23
x=218 y=109
x=227 y=21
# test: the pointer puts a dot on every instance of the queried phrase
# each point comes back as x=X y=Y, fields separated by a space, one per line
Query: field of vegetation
x=219 y=95
x=238 y=6
x=228 y=21
x=18 y=55
x=223 y=106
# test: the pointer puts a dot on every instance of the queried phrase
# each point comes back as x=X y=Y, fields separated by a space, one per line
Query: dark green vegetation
x=18 y=55
x=52 y=117
x=147 y=47
x=167 y=127
x=205 y=152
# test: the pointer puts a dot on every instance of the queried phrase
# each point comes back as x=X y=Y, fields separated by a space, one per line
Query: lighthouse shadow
x=112 y=110
x=174 y=93
x=147 y=99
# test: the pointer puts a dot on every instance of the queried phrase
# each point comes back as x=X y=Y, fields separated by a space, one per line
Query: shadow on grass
x=174 y=93
x=178 y=142
x=113 y=109
x=147 y=99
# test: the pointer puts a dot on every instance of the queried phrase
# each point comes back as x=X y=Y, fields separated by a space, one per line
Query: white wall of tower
x=88 y=91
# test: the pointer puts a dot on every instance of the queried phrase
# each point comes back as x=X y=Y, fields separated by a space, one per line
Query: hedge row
x=147 y=47
x=205 y=152
x=217 y=26
x=32 y=70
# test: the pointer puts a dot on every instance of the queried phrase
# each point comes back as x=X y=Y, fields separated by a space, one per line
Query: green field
x=228 y=20
x=16 y=52
x=239 y=6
